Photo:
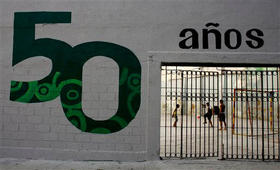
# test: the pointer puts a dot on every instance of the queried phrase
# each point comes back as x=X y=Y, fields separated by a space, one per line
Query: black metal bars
x=251 y=98
x=186 y=135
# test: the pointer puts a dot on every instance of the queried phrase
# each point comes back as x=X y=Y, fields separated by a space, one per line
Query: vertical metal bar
x=165 y=114
x=176 y=99
x=218 y=93
x=195 y=125
x=221 y=146
x=200 y=99
x=228 y=110
x=222 y=131
x=278 y=110
x=171 y=107
x=257 y=114
x=247 y=124
x=187 y=109
x=182 y=107
x=231 y=92
x=267 y=113
x=236 y=115
x=262 y=107
x=272 y=105
x=213 y=98
x=191 y=114
x=252 y=108
x=242 y=113
x=209 y=133
x=204 y=99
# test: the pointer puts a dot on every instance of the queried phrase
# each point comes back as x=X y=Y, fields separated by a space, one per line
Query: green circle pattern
x=67 y=83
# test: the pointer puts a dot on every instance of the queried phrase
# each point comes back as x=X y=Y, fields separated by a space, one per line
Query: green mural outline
x=65 y=77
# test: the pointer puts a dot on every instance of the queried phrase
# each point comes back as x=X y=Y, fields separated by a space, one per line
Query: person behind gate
x=174 y=115
x=208 y=114
x=222 y=115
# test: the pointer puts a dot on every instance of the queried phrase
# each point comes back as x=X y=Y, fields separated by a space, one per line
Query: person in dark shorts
x=175 y=115
x=208 y=114
x=222 y=115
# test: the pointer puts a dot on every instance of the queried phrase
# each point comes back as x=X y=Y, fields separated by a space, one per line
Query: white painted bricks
x=41 y=126
x=41 y=130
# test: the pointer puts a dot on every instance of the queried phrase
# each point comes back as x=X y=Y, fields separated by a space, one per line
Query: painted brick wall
x=37 y=130
x=148 y=28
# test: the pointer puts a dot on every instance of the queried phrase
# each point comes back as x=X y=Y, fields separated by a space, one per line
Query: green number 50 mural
x=65 y=78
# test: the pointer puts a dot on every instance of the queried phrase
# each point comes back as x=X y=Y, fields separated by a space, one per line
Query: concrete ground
x=200 y=164
x=193 y=137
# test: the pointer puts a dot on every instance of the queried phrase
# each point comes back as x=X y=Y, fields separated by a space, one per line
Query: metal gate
x=252 y=102
x=251 y=99
x=191 y=90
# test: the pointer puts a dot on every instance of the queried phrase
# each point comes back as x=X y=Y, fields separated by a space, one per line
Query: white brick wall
x=39 y=126
x=40 y=130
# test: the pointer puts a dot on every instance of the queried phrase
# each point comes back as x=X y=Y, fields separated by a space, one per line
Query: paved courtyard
x=194 y=139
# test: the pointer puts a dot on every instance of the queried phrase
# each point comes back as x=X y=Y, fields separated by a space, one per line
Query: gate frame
x=156 y=59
